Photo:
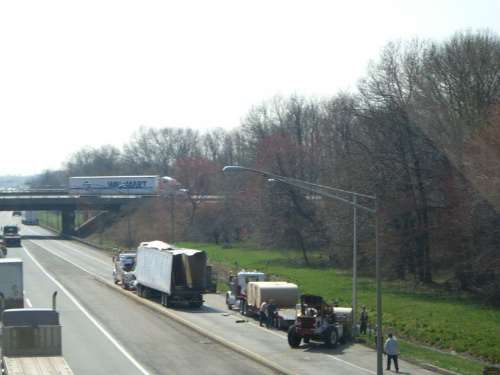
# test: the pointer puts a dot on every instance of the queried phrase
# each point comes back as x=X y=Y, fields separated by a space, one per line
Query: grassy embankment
x=430 y=325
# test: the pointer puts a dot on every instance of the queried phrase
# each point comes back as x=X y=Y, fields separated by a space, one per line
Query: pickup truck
x=11 y=236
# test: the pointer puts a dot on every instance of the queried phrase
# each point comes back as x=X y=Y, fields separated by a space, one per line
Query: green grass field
x=431 y=327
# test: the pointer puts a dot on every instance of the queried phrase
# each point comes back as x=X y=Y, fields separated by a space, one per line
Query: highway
x=107 y=330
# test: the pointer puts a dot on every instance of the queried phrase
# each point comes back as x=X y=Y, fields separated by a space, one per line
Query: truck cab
x=31 y=342
x=123 y=267
x=238 y=284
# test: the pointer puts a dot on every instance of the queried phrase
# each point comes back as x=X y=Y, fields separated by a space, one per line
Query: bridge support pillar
x=68 y=222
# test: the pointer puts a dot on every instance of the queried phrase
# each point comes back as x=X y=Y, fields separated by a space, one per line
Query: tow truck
x=318 y=321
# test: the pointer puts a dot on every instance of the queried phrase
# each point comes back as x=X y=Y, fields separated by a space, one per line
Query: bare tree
x=89 y=161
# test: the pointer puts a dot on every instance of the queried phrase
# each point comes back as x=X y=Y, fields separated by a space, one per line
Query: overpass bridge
x=59 y=200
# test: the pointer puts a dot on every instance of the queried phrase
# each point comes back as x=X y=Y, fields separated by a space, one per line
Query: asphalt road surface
x=107 y=330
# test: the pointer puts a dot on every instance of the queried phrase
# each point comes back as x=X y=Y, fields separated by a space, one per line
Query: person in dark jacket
x=363 y=321
x=271 y=311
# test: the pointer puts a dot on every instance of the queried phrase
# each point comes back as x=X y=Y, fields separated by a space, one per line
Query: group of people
x=267 y=312
x=390 y=346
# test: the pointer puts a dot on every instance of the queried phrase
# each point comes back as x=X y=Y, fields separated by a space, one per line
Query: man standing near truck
x=271 y=311
x=363 y=321
x=262 y=313
x=391 y=349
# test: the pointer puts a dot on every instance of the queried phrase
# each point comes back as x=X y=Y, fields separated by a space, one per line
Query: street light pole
x=172 y=216
x=319 y=190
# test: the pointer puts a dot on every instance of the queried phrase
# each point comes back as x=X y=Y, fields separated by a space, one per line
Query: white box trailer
x=176 y=274
x=114 y=185
x=124 y=185
x=11 y=284
x=30 y=218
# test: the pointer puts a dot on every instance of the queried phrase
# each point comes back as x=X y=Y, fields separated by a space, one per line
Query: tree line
x=421 y=132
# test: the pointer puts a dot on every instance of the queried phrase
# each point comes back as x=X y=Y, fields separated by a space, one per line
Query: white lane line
x=72 y=248
x=82 y=309
x=82 y=253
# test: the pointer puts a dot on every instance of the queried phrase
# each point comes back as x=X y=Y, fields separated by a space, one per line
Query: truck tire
x=331 y=337
x=229 y=306
x=168 y=301
x=124 y=284
x=293 y=338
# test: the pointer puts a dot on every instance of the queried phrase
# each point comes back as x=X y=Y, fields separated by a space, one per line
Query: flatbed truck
x=31 y=342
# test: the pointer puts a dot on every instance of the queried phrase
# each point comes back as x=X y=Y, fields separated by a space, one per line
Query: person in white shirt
x=391 y=349
x=262 y=315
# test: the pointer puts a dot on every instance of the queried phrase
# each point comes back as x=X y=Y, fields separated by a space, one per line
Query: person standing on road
x=271 y=310
x=391 y=349
x=363 y=321
x=262 y=314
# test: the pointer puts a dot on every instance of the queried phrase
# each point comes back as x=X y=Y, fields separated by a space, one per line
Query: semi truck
x=11 y=284
x=30 y=218
x=123 y=185
x=249 y=289
x=177 y=275
x=11 y=236
x=31 y=342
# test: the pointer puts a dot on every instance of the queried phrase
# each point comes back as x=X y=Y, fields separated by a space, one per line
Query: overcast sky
x=90 y=73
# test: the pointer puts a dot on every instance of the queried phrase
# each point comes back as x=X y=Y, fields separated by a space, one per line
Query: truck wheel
x=243 y=307
x=229 y=306
x=124 y=284
x=331 y=337
x=293 y=338
x=169 y=302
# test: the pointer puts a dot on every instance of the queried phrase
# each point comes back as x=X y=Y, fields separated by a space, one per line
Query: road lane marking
x=71 y=248
x=84 y=311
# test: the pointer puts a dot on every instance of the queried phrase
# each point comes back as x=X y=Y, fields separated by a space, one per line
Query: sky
x=76 y=74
